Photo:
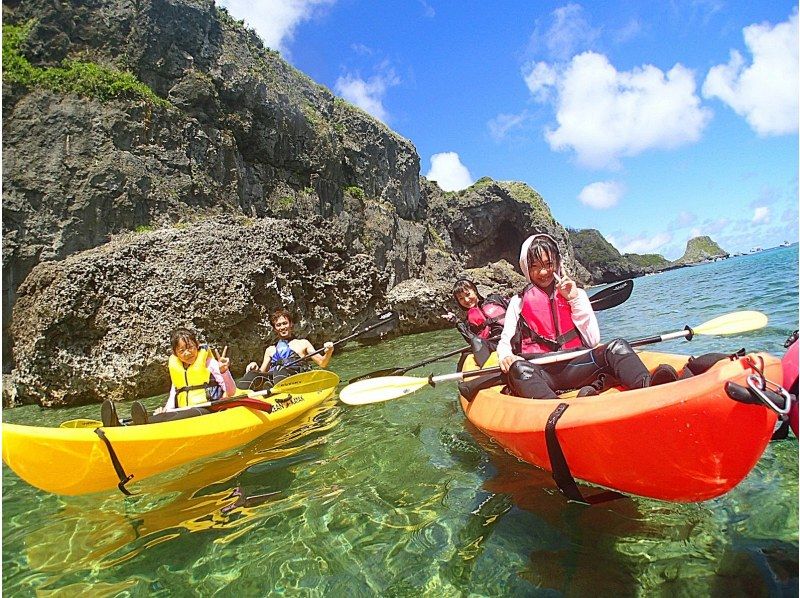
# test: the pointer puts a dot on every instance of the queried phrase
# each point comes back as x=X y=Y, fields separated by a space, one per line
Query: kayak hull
x=686 y=441
x=74 y=461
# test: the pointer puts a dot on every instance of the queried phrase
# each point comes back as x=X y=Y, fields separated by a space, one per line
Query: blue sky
x=651 y=121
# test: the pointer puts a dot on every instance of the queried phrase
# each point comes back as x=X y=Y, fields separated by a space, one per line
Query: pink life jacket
x=790 y=376
x=545 y=323
x=487 y=319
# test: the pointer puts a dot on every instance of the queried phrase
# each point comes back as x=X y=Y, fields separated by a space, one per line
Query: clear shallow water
x=405 y=498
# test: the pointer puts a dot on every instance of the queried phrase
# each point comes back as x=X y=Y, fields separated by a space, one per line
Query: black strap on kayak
x=123 y=477
x=558 y=464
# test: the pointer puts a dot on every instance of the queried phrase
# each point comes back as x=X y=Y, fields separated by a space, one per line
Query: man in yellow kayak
x=286 y=357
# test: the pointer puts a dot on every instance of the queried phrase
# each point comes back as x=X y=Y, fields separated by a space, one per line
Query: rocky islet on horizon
x=209 y=185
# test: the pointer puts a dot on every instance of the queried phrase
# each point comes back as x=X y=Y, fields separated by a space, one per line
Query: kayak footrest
x=123 y=477
x=558 y=465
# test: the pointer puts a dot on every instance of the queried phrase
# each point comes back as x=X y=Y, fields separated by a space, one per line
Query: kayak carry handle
x=779 y=400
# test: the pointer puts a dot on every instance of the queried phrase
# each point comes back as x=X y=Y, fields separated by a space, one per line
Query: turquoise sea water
x=405 y=498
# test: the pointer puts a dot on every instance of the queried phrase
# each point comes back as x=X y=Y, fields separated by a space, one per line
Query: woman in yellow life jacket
x=198 y=375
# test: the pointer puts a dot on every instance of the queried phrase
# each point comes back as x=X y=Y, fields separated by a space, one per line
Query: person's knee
x=619 y=347
x=523 y=370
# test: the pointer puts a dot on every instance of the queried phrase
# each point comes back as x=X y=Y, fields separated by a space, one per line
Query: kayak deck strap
x=123 y=477
x=558 y=465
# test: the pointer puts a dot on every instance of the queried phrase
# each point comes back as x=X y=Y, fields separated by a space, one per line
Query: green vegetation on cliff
x=73 y=76
x=592 y=249
x=699 y=249
x=647 y=260
x=605 y=263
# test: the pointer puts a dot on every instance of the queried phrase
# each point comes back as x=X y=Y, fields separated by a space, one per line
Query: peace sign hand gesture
x=567 y=287
x=222 y=359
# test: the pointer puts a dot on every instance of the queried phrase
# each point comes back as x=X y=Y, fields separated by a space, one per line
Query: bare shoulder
x=301 y=346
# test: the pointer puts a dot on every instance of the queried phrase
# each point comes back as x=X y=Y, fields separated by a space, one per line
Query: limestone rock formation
x=97 y=324
x=204 y=166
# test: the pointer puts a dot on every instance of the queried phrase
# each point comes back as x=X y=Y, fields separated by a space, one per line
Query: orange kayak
x=686 y=441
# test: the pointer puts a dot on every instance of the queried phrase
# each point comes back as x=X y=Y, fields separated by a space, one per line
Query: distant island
x=605 y=264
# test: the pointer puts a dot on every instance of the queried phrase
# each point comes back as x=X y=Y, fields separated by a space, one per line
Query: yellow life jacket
x=190 y=382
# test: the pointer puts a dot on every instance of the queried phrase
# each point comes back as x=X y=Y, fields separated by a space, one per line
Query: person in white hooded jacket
x=550 y=314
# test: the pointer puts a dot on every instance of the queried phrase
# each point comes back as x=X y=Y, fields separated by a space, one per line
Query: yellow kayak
x=76 y=460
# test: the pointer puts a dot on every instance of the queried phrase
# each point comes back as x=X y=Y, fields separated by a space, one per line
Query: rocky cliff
x=157 y=158
x=605 y=264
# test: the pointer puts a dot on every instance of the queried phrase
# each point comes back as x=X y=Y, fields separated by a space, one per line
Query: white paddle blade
x=377 y=390
x=733 y=323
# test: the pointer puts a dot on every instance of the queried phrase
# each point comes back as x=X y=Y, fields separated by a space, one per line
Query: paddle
x=607 y=298
x=399 y=371
x=385 y=389
x=386 y=322
x=301 y=383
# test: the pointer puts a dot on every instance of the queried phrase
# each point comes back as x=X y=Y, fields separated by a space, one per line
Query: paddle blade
x=378 y=390
x=312 y=381
x=377 y=327
x=377 y=374
x=733 y=323
x=612 y=296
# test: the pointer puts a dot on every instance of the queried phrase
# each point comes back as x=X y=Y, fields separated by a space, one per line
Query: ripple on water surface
x=405 y=498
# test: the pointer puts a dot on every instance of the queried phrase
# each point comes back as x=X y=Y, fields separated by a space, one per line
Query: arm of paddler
x=268 y=353
x=505 y=353
x=222 y=374
x=584 y=318
x=321 y=360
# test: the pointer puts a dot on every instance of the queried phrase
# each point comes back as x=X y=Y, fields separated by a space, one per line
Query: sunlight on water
x=406 y=498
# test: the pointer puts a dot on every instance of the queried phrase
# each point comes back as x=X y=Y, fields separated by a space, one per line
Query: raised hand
x=567 y=287
x=222 y=359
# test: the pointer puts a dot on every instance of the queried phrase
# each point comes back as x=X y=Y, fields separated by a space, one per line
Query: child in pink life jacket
x=484 y=316
x=551 y=314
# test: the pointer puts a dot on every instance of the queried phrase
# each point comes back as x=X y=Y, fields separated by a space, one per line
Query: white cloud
x=683 y=219
x=568 y=33
x=274 y=20
x=448 y=171
x=540 y=79
x=645 y=243
x=602 y=195
x=368 y=94
x=629 y=31
x=604 y=114
x=427 y=10
x=761 y=214
x=765 y=93
x=500 y=125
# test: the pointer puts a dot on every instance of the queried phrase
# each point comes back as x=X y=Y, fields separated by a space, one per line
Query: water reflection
x=226 y=493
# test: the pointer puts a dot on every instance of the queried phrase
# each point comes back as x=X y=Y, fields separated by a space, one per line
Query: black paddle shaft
x=384 y=320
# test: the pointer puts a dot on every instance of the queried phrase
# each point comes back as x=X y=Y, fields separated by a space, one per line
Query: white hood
x=523 y=255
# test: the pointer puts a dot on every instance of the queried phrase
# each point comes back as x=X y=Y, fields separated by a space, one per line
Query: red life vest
x=545 y=323
x=487 y=319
